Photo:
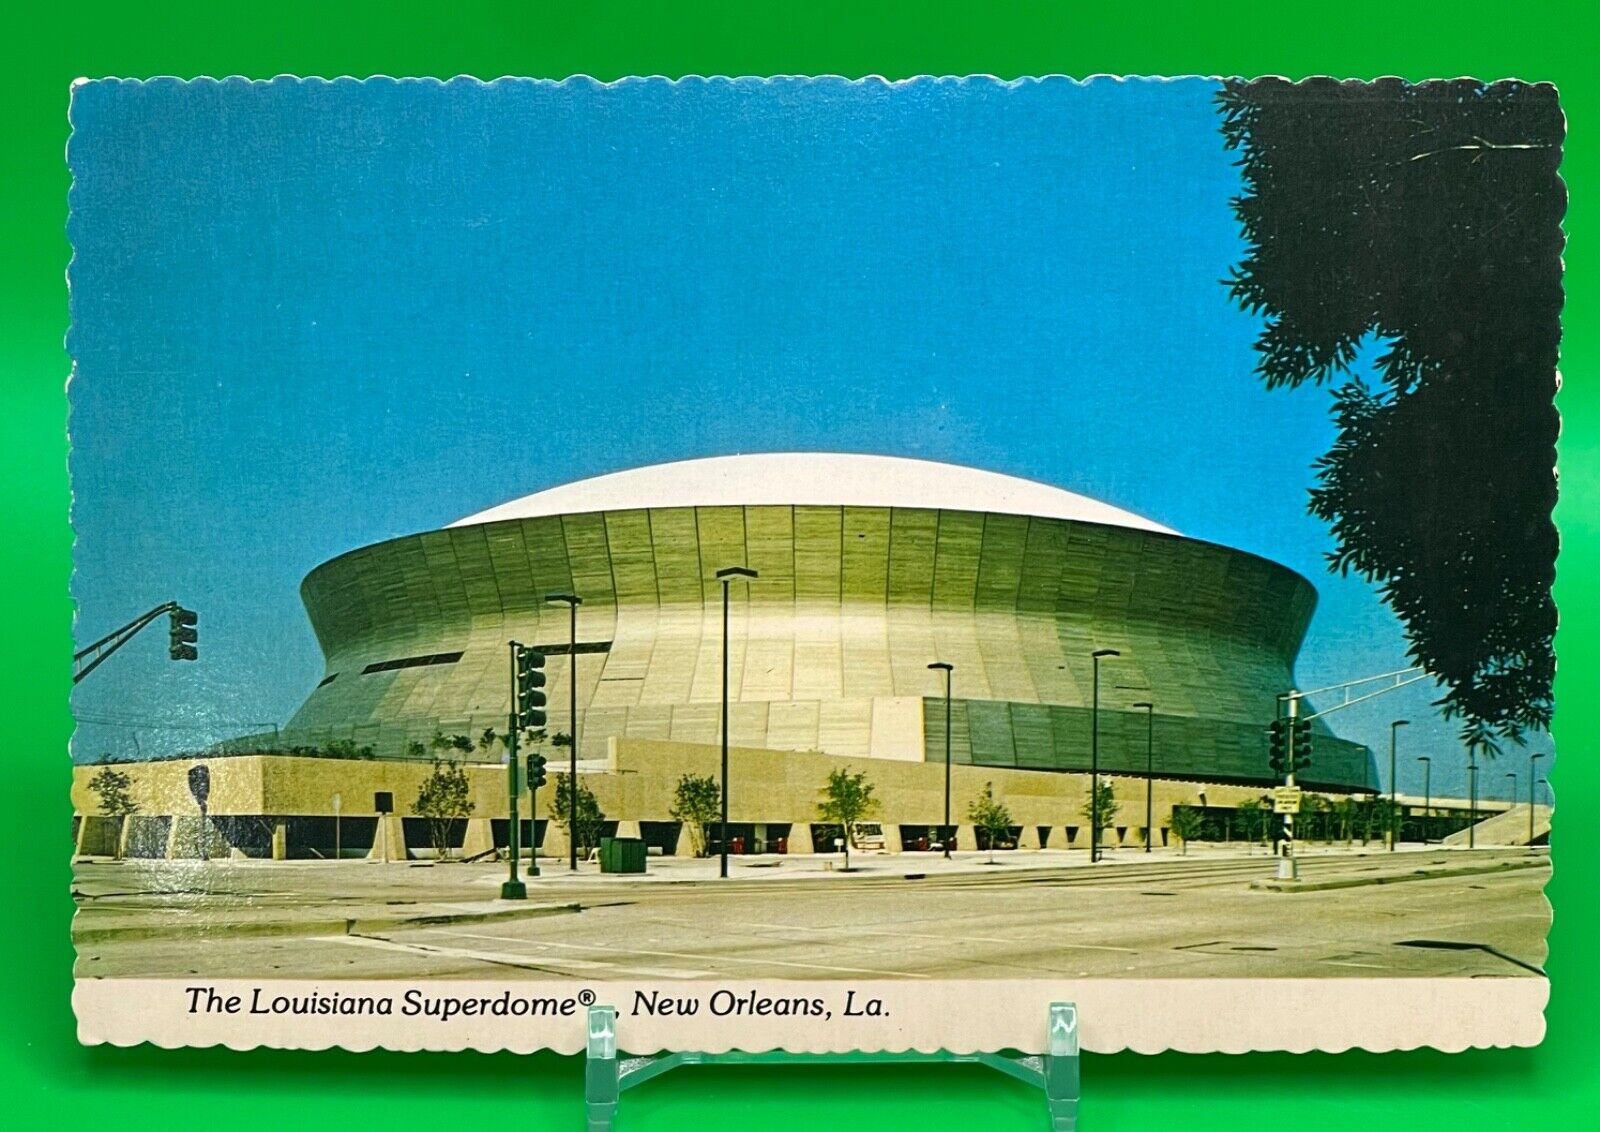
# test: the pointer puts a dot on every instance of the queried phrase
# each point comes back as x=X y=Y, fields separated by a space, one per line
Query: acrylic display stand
x=1055 y=1071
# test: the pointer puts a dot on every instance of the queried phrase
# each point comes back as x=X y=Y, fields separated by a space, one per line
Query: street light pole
x=1472 y=799
x=1533 y=786
x=1394 y=805
x=1094 y=755
x=726 y=576
x=1149 y=768
x=949 y=673
x=571 y=601
x=1427 y=792
x=1512 y=775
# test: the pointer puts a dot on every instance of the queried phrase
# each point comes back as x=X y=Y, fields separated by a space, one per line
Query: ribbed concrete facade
x=830 y=646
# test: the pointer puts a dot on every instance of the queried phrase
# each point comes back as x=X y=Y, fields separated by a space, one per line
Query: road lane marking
x=637 y=951
x=497 y=959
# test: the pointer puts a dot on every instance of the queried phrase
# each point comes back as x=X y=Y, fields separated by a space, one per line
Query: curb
x=1274 y=885
x=206 y=929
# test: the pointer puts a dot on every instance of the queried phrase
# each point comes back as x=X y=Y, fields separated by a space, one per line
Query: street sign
x=200 y=784
x=1286 y=799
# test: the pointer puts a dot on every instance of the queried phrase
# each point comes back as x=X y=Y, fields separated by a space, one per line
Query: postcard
x=812 y=563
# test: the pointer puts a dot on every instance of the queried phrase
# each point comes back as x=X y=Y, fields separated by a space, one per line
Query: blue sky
x=311 y=316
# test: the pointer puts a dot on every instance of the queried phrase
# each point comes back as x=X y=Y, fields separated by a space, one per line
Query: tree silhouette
x=697 y=802
x=847 y=799
x=1425 y=218
x=444 y=799
x=989 y=816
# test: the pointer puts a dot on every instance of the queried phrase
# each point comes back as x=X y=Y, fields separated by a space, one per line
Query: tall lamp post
x=1394 y=805
x=1094 y=755
x=571 y=601
x=1533 y=787
x=949 y=673
x=1149 y=768
x=1427 y=792
x=1512 y=775
x=726 y=576
x=1472 y=799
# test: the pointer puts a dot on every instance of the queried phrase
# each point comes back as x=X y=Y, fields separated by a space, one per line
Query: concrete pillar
x=479 y=839
x=183 y=838
x=628 y=829
x=1029 y=838
x=891 y=838
x=122 y=836
x=280 y=841
x=556 y=843
x=685 y=845
x=966 y=839
x=98 y=836
x=1067 y=840
x=389 y=837
x=800 y=839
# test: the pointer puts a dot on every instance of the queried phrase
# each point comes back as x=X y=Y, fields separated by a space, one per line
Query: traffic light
x=1302 y=744
x=536 y=777
x=182 y=636
x=530 y=678
x=1278 y=745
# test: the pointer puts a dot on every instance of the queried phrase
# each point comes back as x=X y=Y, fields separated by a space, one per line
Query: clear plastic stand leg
x=1055 y=1071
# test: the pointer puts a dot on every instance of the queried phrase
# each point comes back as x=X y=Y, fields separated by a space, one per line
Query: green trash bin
x=622 y=855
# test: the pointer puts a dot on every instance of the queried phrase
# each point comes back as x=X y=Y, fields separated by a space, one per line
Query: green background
x=46 y=1075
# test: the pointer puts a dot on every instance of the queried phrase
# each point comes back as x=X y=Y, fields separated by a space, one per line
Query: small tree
x=445 y=798
x=1344 y=816
x=487 y=740
x=991 y=816
x=114 y=789
x=1253 y=818
x=347 y=749
x=1310 y=820
x=846 y=799
x=415 y=750
x=1371 y=817
x=697 y=803
x=1100 y=810
x=591 y=819
x=1186 y=826
x=445 y=743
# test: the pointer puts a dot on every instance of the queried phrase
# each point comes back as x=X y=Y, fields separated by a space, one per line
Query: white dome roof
x=825 y=479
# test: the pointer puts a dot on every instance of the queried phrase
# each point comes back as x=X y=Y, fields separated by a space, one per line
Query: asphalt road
x=1167 y=917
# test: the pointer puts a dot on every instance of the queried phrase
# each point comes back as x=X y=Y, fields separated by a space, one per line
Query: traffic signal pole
x=513 y=888
x=1288 y=868
x=184 y=636
x=1296 y=732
